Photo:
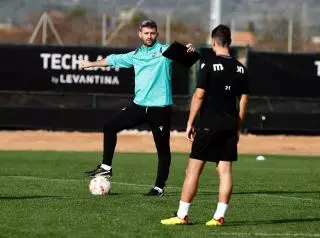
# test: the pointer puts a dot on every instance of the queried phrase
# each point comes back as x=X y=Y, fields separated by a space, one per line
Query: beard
x=149 y=42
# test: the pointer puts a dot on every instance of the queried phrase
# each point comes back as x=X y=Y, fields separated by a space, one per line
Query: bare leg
x=190 y=185
x=224 y=169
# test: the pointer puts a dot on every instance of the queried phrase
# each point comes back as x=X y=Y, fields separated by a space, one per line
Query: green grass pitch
x=45 y=194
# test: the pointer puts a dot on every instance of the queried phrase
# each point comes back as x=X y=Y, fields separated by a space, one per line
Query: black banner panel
x=53 y=68
x=77 y=119
x=56 y=69
x=284 y=75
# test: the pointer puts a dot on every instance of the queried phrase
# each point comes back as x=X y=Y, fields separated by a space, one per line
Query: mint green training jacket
x=152 y=74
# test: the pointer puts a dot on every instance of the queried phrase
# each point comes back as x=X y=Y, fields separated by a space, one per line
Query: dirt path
x=132 y=141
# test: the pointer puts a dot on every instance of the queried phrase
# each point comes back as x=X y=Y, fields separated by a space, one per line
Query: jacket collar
x=144 y=48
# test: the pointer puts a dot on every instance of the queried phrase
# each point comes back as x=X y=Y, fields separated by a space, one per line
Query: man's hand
x=190 y=132
x=238 y=136
x=85 y=64
x=190 y=48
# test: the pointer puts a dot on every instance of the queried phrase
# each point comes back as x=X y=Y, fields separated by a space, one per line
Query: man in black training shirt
x=221 y=98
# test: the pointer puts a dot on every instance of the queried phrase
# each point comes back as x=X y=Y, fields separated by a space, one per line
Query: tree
x=138 y=17
x=78 y=11
x=251 y=27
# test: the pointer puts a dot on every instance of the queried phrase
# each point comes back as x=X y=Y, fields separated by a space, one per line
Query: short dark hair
x=222 y=35
x=148 y=23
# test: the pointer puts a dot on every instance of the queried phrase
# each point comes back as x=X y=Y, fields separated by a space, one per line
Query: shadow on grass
x=270 y=222
x=113 y=194
x=26 y=197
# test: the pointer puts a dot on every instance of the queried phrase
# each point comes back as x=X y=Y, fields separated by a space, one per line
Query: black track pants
x=159 y=120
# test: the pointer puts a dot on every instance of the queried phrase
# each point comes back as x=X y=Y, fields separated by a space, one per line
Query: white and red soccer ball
x=99 y=185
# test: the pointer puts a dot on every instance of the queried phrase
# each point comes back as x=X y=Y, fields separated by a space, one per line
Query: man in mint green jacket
x=152 y=102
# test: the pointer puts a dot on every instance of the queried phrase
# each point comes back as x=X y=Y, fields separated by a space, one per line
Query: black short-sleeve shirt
x=224 y=80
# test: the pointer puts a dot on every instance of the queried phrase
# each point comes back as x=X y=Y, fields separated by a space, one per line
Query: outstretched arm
x=116 y=60
x=88 y=64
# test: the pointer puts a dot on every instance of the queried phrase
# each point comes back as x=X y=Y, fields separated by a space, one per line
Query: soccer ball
x=99 y=186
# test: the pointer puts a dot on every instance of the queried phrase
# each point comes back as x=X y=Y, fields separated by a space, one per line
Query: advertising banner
x=53 y=68
x=56 y=69
x=284 y=75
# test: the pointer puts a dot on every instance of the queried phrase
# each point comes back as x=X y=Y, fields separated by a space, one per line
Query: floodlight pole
x=44 y=29
x=215 y=15
x=168 y=28
x=104 y=29
x=305 y=20
x=290 y=35
x=233 y=25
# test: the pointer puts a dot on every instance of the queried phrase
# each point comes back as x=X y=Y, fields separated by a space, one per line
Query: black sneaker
x=155 y=192
x=99 y=172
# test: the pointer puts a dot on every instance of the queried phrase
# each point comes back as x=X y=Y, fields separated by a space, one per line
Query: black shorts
x=215 y=146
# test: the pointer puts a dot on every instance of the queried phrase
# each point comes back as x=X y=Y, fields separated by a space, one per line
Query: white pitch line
x=77 y=180
x=35 y=178
x=170 y=187
x=144 y=185
x=286 y=197
x=268 y=234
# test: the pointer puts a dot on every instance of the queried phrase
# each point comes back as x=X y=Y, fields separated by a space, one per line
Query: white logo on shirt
x=227 y=88
x=240 y=69
x=217 y=67
x=317 y=63
x=161 y=128
x=202 y=65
